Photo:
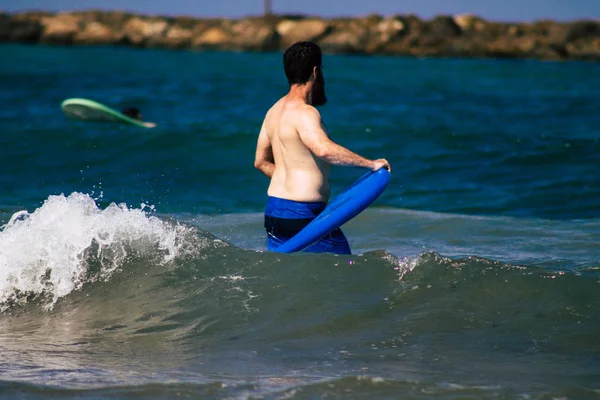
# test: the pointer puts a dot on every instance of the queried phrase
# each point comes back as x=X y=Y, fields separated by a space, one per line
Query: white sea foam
x=47 y=252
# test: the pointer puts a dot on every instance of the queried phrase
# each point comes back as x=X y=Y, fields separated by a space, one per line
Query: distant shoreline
x=408 y=35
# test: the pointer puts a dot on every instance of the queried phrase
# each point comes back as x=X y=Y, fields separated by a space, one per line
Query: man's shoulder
x=274 y=107
x=308 y=111
x=293 y=112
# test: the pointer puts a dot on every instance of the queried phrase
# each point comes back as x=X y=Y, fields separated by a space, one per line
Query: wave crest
x=69 y=241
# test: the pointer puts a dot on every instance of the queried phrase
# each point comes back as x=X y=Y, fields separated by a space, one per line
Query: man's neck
x=300 y=92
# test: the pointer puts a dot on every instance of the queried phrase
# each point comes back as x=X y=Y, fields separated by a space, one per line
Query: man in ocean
x=294 y=150
x=135 y=113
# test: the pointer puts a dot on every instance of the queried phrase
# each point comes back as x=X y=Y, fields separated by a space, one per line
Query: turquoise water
x=133 y=262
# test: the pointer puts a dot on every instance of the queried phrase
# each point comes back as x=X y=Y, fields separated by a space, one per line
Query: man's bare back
x=299 y=175
x=294 y=150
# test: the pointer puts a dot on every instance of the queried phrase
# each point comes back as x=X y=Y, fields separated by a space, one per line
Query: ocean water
x=133 y=262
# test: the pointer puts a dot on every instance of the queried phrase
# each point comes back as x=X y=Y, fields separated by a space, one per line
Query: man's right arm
x=315 y=137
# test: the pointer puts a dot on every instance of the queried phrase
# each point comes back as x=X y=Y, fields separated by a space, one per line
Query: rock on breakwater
x=442 y=36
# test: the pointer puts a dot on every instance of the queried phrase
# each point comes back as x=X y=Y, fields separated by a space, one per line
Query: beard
x=317 y=96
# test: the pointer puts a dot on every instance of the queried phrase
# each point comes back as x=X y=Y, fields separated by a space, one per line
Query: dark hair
x=132 y=112
x=299 y=61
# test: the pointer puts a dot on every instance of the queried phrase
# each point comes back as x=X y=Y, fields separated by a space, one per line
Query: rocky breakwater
x=442 y=36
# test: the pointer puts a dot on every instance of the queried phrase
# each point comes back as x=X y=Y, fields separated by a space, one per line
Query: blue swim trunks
x=285 y=218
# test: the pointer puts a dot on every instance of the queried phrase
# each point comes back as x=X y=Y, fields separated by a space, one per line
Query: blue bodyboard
x=342 y=209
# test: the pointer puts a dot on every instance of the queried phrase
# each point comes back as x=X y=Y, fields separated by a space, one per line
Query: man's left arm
x=263 y=160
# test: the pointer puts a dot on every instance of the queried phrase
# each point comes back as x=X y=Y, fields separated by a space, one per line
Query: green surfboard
x=89 y=110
